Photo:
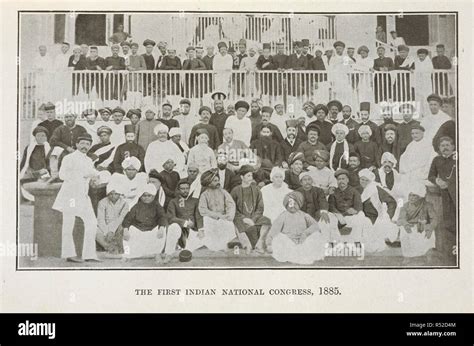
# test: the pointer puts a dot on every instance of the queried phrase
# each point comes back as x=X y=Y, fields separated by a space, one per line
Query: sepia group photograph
x=191 y=140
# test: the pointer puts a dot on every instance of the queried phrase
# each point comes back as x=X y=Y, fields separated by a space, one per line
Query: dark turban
x=208 y=176
x=296 y=196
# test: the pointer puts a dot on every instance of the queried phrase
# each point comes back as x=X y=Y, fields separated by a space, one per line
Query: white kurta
x=338 y=70
x=322 y=178
x=144 y=244
x=242 y=128
x=203 y=157
x=132 y=188
x=223 y=66
x=432 y=123
x=273 y=200
x=416 y=243
x=415 y=163
x=159 y=152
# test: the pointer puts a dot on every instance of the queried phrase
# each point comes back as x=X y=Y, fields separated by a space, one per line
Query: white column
x=70 y=29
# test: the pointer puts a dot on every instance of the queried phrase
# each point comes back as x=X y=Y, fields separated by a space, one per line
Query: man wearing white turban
x=379 y=207
x=145 y=230
x=340 y=148
x=417 y=222
x=161 y=150
x=388 y=176
x=110 y=214
x=131 y=182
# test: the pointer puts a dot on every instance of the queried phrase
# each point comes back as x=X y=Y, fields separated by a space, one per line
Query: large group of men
x=158 y=182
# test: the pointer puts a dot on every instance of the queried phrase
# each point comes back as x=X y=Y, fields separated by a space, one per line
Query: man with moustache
x=365 y=120
x=387 y=120
x=324 y=125
x=350 y=123
x=388 y=176
x=76 y=171
x=266 y=117
x=389 y=141
x=311 y=144
x=291 y=142
x=219 y=117
x=65 y=136
x=51 y=123
x=205 y=114
x=334 y=107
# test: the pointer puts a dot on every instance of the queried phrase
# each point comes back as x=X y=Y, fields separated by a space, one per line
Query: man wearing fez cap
x=101 y=153
x=128 y=149
x=76 y=171
x=218 y=210
x=387 y=120
x=365 y=120
x=51 y=123
x=291 y=142
x=219 y=117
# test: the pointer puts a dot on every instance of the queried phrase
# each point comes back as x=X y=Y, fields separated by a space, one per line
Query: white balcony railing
x=293 y=88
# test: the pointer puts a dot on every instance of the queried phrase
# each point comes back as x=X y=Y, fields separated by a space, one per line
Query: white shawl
x=344 y=156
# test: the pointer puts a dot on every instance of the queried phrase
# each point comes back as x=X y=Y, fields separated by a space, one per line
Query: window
x=91 y=29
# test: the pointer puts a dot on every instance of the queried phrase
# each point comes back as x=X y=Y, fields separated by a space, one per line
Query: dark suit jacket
x=193 y=64
x=231 y=180
x=383 y=62
x=287 y=148
x=296 y=63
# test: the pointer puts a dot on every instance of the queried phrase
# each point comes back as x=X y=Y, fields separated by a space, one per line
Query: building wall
x=357 y=30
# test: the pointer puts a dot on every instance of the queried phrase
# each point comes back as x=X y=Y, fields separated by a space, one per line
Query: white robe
x=422 y=85
x=338 y=73
x=132 y=188
x=415 y=163
x=432 y=123
x=280 y=122
x=223 y=66
x=273 y=200
x=242 y=128
x=159 y=152
x=364 y=88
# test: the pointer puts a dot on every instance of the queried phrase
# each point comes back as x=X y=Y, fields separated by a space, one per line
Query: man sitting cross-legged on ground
x=110 y=214
x=144 y=229
x=295 y=236
x=249 y=217
x=183 y=213
x=218 y=210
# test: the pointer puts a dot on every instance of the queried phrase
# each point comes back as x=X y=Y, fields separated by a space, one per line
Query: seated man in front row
x=346 y=204
x=295 y=236
x=183 y=213
x=144 y=229
x=218 y=210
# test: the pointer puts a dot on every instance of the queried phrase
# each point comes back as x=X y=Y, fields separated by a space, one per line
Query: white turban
x=150 y=188
x=114 y=186
x=160 y=128
x=366 y=173
x=387 y=156
x=104 y=177
x=149 y=108
x=275 y=171
x=417 y=188
x=174 y=131
x=365 y=128
x=304 y=174
x=131 y=161
x=339 y=127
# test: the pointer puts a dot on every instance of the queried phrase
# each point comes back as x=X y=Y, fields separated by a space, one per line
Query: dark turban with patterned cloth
x=295 y=156
x=296 y=196
x=208 y=176
x=323 y=154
